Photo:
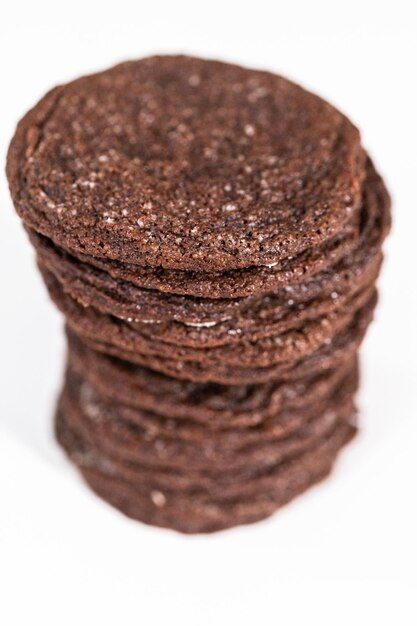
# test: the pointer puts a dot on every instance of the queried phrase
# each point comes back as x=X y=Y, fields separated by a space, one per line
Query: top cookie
x=185 y=164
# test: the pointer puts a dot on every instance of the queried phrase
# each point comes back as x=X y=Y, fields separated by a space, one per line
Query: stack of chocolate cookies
x=212 y=235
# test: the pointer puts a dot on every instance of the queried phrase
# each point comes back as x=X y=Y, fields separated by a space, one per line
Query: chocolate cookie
x=189 y=513
x=326 y=356
x=216 y=406
x=279 y=341
x=186 y=164
x=260 y=361
x=131 y=436
x=253 y=317
x=117 y=290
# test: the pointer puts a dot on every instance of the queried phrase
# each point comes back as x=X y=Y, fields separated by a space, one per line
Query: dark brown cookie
x=290 y=338
x=184 y=163
x=338 y=349
x=232 y=283
x=124 y=434
x=207 y=316
x=223 y=484
x=270 y=316
x=115 y=337
x=213 y=405
x=190 y=513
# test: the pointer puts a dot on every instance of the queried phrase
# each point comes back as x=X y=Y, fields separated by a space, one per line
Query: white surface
x=345 y=552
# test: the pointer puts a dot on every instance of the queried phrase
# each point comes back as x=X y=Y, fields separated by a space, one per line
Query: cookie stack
x=212 y=235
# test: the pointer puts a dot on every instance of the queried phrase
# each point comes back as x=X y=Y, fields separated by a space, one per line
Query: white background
x=345 y=552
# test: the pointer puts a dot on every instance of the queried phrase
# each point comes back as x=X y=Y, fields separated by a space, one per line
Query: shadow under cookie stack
x=212 y=235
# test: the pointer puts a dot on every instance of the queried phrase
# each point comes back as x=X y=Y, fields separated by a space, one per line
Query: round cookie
x=272 y=315
x=120 y=339
x=192 y=514
x=123 y=433
x=185 y=164
x=233 y=283
x=330 y=353
x=214 y=406
x=92 y=286
x=242 y=337
x=229 y=478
